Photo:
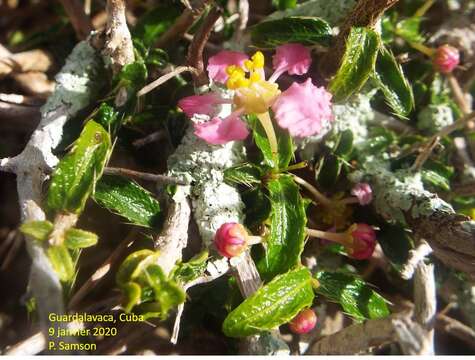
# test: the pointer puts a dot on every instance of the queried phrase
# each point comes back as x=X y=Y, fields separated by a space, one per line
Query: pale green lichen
x=214 y=202
x=433 y=118
x=400 y=192
x=77 y=80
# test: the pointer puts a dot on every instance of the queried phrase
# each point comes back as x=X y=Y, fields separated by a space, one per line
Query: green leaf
x=79 y=239
x=285 y=243
x=357 y=298
x=106 y=116
x=132 y=77
x=391 y=80
x=284 y=4
x=344 y=145
x=75 y=176
x=155 y=22
x=133 y=264
x=244 y=174
x=258 y=206
x=128 y=199
x=294 y=29
x=358 y=63
x=272 y=305
x=328 y=170
x=190 y=270
x=62 y=262
x=38 y=230
x=284 y=144
x=409 y=29
x=396 y=243
x=132 y=293
x=166 y=292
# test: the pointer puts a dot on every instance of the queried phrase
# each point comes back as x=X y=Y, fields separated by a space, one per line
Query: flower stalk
x=266 y=123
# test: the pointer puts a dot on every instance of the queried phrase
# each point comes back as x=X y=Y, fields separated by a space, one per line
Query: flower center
x=253 y=93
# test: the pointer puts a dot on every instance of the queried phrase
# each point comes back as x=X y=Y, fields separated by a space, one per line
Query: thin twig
x=182 y=24
x=163 y=79
x=243 y=8
x=158 y=178
x=434 y=140
x=81 y=22
x=199 y=281
x=155 y=136
x=456 y=329
x=459 y=95
x=195 y=50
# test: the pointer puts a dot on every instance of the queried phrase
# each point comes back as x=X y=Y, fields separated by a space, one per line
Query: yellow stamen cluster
x=237 y=76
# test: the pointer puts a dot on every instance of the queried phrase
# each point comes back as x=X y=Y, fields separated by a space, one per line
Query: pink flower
x=446 y=58
x=218 y=63
x=364 y=241
x=363 y=192
x=231 y=239
x=304 y=322
x=200 y=104
x=293 y=58
x=221 y=131
x=303 y=109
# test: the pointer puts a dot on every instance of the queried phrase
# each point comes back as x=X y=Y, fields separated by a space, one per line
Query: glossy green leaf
x=244 y=174
x=62 y=262
x=285 y=243
x=79 y=239
x=132 y=77
x=38 y=230
x=74 y=178
x=190 y=270
x=391 y=80
x=294 y=29
x=358 y=63
x=128 y=199
x=106 y=115
x=357 y=298
x=284 y=144
x=272 y=305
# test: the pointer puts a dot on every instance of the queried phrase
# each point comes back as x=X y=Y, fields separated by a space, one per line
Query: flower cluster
x=303 y=109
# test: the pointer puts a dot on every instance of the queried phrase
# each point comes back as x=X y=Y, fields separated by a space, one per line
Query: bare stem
x=81 y=22
x=313 y=190
x=163 y=79
x=195 y=51
x=158 y=178
x=340 y=238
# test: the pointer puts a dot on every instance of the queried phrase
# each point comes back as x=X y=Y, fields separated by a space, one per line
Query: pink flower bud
x=304 y=322
x=363 y=192
x=446 y=58
x=231 y=239
x=364 y=241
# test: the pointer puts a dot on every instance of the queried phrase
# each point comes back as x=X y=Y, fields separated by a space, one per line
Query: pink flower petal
x=199 y=104
x=293 y=58
x=363 y=192
x=218 y=63
x=303 y=109
x=219 y=131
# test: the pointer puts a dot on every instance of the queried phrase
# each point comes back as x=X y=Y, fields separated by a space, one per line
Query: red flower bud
x=231 y=239
x=364 y=241
x=304 y=322
x=446 y=58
